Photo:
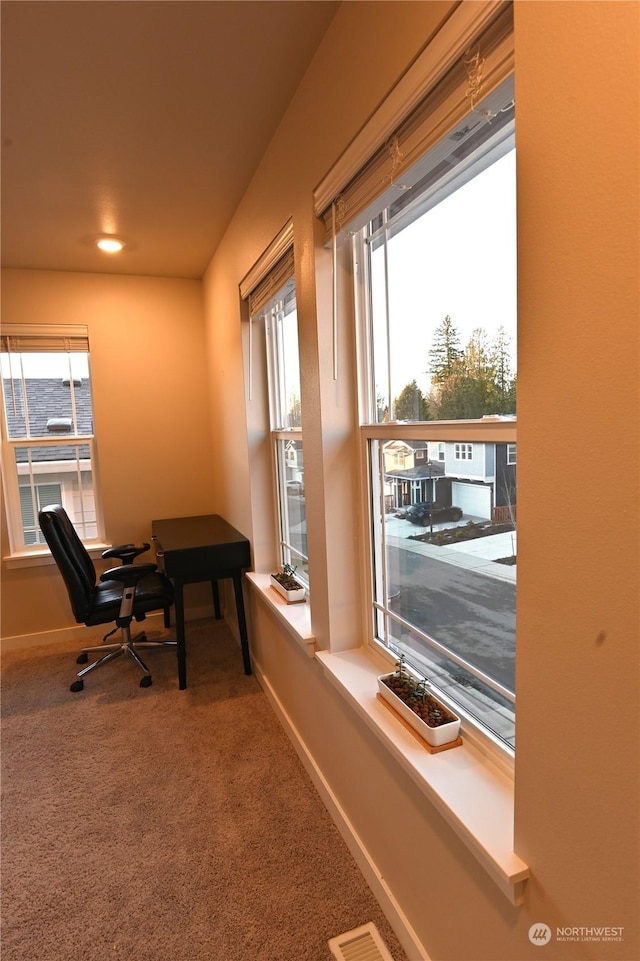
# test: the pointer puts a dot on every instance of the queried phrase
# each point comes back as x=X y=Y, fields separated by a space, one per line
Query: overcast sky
x=458 y=259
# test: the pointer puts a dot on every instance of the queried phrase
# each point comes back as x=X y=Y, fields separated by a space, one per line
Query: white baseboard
x=383 y=894
x=77 y=635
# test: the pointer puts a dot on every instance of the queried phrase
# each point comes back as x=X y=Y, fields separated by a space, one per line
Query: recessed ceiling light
x=110 y=245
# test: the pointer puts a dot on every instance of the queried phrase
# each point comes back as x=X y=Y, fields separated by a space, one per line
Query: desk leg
x=216 y=600
x=181 y=645
x=242 y=623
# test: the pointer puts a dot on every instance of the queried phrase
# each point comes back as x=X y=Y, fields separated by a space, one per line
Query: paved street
x=457 y=594
x=469 y=612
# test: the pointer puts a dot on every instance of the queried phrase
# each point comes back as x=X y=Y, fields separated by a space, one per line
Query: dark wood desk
x=204 y=548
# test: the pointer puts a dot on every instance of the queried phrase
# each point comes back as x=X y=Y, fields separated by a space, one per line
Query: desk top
x=186 y=533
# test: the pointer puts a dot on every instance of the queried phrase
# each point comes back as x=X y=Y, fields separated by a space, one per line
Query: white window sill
x=295 y=618
x=473 y=795
x=43 y=557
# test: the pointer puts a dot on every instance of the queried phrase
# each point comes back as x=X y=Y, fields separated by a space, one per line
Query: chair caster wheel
x=146 y=681
x=82 y=658
x=76 y=686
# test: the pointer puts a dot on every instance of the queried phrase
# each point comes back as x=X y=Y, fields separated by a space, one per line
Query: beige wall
x=578 y=578
x=577 y=790
x=149 y=379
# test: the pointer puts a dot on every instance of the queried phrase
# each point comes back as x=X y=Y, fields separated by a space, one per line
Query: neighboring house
x=294 y=463
x=479 y=478
x=411 y=477
x=50 y=474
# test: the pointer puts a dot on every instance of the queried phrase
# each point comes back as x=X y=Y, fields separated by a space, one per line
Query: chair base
x=110 y=652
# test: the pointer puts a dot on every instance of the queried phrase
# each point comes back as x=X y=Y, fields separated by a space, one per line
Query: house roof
x=49 y=407
x=400 y=442
x=421 y=472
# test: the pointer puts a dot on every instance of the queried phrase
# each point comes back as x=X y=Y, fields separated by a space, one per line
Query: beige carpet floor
x=164 y=825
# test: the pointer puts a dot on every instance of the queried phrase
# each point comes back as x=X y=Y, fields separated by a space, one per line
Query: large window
x=274 y=399
x=48 y=444
x=436 y=286
x=270 y=291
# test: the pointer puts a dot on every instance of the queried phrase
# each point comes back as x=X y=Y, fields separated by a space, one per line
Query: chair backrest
x=72 y=558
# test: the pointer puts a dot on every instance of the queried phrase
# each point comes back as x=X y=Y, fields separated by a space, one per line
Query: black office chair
x=124 y=593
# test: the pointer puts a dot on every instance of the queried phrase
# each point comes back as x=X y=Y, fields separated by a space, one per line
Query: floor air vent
x=361 y=944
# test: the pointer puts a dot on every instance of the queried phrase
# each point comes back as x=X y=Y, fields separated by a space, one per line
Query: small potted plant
x=287 y=585
x=410 y=697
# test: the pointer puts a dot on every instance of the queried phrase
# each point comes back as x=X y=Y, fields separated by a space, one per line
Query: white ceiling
x=142 y=118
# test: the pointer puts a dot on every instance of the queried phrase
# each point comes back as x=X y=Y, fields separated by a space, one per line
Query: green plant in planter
x=286 y=577
x=416 y=696
x=423 y=697
x=402 y=675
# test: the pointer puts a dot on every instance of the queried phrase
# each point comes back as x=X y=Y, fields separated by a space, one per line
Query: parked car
x=428 y=513
x=419 y=513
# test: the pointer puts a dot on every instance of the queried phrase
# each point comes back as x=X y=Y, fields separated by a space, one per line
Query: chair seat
x=153 y=592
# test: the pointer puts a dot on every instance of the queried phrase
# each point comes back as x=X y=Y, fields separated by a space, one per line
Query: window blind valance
x=274 y=268
x=463 y=92
x=40 y=338
x=282 y=272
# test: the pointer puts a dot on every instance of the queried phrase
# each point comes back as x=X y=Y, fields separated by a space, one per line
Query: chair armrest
x=126 y=553
x=159 y=551
x=129 y=573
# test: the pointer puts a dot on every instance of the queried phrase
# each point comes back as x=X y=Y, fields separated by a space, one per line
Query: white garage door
x=473 y=499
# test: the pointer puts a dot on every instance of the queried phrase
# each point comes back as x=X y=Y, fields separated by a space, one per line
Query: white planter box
x=436 y=736
x=291 y=597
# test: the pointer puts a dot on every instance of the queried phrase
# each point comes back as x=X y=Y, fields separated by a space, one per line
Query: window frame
x=485 y=431
x=40 y=503
x=463 y=451
x=288 y=553
x=462 y=432
x=281 y=431
x=45 y=339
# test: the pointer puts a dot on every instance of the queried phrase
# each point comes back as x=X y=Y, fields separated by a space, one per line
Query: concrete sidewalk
x=479 y=554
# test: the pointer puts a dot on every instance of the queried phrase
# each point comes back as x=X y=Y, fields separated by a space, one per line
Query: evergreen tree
x=510 y=397
x=445 y=351
x=472 y=382
x=411 y=404
x=505 y=400
x=382 y=409
x=479 y=376
x=455 y=398
x=294 y=414
x=501 y=360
